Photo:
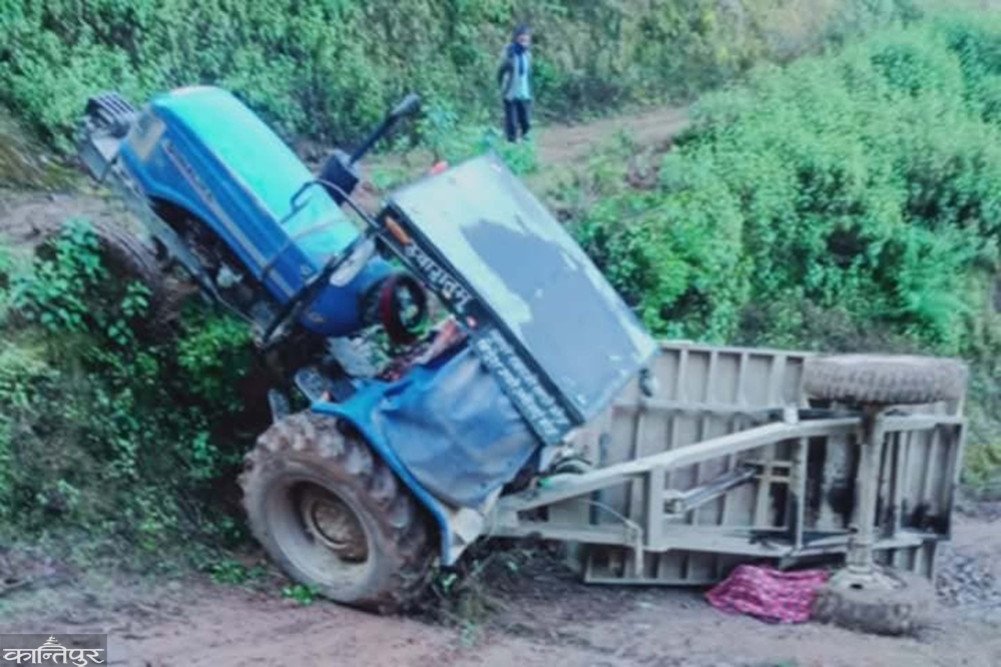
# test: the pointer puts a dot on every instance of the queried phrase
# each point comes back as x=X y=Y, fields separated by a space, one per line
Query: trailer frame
x=732 y=463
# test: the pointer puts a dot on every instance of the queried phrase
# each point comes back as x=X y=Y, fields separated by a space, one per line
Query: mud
x=26 y=216
x=538 y=615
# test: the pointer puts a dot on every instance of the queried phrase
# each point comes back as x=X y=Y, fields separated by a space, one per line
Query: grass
x=304 y=595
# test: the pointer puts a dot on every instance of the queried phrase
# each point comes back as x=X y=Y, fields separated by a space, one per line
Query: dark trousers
x=516 y=116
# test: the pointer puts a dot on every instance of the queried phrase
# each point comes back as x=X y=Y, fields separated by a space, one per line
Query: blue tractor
x=506 y=336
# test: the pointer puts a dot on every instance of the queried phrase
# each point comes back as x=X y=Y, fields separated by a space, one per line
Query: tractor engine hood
x=541 y=317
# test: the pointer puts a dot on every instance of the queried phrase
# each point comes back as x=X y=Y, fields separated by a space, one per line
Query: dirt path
x=566 y=144
x=543 y=617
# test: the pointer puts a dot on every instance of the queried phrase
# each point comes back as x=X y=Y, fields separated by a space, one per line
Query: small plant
x=452 y=140
x=470 y=634
x=982 y=469
x=214 y=352
x=54 y=294
x=464 y=598
x=521 y=157
x=385 y=177
x=234 y=573
x=304 y=595
x=229 y=572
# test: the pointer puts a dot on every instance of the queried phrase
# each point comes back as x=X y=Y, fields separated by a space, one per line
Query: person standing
x=514 y=78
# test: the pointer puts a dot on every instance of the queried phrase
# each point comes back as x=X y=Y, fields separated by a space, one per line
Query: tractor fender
x=355 y=411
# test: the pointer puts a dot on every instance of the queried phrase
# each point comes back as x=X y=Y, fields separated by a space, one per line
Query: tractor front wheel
x=334 y=517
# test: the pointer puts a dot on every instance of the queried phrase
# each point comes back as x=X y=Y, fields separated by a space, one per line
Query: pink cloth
x=768 y=594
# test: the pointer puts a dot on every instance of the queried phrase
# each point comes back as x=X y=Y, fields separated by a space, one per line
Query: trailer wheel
x=334 y=517
x=884 y=380
x=898 y=610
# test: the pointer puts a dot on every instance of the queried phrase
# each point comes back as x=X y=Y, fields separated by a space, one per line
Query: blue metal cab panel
x=203 y=150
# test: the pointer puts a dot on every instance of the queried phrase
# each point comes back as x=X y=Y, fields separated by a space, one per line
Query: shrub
x=328 y=68
x=100 y=430
x=867 y=182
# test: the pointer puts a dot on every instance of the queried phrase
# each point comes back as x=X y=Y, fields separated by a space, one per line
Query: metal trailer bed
x=731 y=463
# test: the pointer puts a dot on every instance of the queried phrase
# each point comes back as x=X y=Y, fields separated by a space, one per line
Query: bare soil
x=566 y=144
x=541 y=615
x=26 y=217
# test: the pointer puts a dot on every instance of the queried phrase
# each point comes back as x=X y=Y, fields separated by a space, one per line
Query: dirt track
x=543 y=617
x=565 y=144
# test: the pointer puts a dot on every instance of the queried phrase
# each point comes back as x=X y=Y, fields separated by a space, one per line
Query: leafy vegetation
x=445 y=135
x=102 y=431
x=230 y=572
x=304 y=595
x=851 y=201
x=326 y=68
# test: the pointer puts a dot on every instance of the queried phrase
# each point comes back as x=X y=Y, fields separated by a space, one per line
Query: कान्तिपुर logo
x=82 y=650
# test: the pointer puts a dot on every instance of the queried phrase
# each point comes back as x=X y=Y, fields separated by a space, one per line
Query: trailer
x=734 y=461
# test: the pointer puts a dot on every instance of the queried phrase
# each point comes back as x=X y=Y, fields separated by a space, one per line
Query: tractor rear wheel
x=334 y=517
x=32 y=223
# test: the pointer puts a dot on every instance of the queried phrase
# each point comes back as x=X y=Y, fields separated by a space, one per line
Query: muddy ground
x=540 y=616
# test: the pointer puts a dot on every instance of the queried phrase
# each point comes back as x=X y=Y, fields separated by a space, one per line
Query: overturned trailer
x=743 y=456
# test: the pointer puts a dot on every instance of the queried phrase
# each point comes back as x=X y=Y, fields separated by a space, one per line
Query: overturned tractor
x=522 y=397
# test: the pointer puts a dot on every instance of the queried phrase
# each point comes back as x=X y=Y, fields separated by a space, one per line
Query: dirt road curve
x=565 y=144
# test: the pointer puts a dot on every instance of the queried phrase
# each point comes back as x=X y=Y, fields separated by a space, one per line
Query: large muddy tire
x=901 y=611
x=31 y=224
x=884 y=380
x=334 y=517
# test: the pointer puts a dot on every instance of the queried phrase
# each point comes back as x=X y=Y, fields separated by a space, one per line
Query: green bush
x=845 y=202
x=327 y=68
x=867 y=182
x=101 y=430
